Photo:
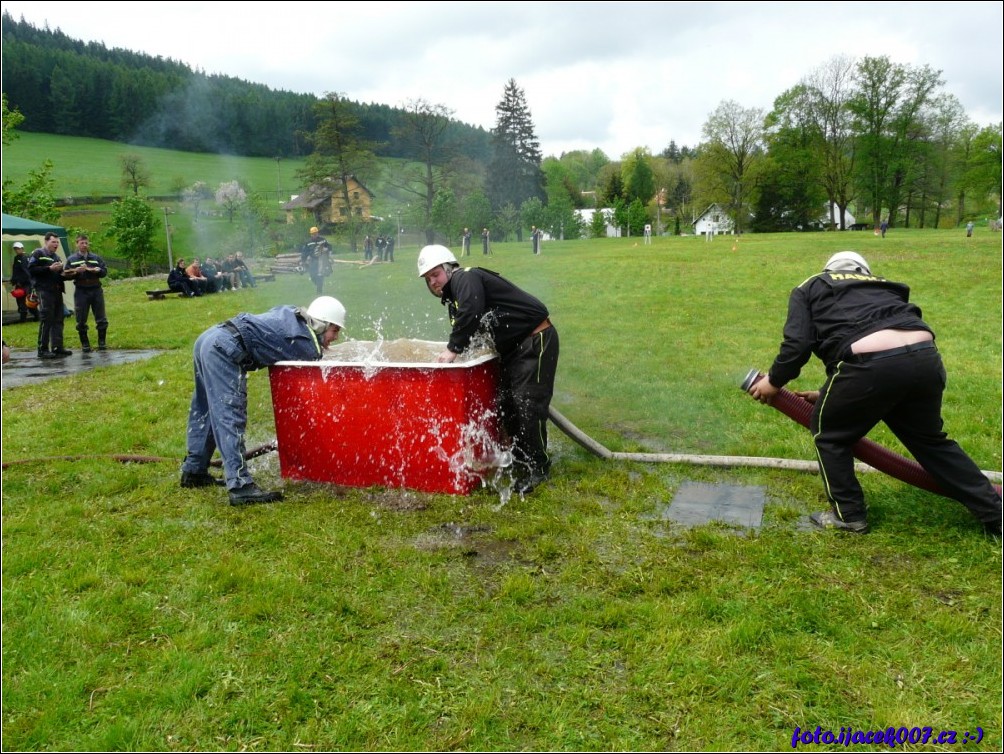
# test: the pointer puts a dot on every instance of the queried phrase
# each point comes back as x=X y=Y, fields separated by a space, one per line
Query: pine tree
x=514 y=174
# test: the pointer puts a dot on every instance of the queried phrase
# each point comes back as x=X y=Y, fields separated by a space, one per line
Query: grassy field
x=140 y=616
x=91 y=167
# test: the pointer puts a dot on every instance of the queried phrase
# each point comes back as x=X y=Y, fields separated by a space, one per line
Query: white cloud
x=610 y=75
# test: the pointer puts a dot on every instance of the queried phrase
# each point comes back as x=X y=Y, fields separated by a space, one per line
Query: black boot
x=85 y=343
x=102 y=345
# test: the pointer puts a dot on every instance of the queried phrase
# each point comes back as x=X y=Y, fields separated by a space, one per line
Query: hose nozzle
x=752 y=377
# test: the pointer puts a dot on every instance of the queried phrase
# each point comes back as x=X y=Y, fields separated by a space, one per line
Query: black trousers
x=905 y=392
x=88 y=299
x=527 y=384
x=50 y=327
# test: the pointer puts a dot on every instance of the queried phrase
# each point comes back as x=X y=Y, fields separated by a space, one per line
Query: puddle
x=474 y=542
x=25 y=368
x=696 y=504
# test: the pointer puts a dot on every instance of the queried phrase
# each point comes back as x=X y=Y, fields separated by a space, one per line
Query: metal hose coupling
x=751 y=379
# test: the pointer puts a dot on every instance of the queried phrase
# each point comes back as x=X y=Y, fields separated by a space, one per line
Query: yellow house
x=325 y=203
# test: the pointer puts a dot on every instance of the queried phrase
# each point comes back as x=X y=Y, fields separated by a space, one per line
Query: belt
x=861 y=358
x=541 y=327
x=247 y=363
x=233 y=329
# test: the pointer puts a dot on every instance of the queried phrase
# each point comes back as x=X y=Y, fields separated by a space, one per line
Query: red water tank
x=419 y=426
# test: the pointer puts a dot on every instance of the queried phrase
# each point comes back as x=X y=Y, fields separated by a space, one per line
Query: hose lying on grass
x=122 y=458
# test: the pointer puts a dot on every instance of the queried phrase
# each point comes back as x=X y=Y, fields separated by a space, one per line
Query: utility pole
x=167 y=228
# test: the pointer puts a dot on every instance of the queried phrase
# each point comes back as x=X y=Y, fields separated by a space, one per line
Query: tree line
x=65 y=86
x=871 y=137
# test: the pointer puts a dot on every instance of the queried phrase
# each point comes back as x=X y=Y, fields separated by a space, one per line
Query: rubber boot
x=85 y=343
x=102 y=333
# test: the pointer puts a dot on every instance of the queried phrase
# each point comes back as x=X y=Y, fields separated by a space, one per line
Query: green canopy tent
x=31 y=233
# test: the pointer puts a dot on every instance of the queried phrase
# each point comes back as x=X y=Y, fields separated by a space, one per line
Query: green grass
x=139 y=616
x=84 y=167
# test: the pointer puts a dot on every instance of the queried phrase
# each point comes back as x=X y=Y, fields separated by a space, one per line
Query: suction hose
x=866 y=450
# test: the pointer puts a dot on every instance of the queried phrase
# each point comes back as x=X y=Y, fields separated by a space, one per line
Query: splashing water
x=477 y=454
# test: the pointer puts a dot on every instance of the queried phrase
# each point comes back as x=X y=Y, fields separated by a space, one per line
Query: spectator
x=243 y=271
x=196 y=277
x=46 y=269
x=86 y=270
x=217 y=282
x=177 y=280
x=223 y=355
x=519 y=326
x=969 y=229
x=20 y=280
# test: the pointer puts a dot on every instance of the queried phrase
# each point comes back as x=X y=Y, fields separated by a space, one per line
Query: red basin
x=364 y=422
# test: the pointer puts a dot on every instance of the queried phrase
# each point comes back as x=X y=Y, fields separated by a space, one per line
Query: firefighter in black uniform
x=881 y=365
x=520 y=328
x=46 y=269
x=86 y=270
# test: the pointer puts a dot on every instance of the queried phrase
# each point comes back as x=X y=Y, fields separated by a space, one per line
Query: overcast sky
x=595 y=74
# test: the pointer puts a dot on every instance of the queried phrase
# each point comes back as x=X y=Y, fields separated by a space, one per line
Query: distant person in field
x=466 y=242
x=486 y=246
x=969 y=229
x=315 y=258
x=881 y=366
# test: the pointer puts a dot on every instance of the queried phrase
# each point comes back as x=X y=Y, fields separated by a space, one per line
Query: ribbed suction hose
x=864 y=449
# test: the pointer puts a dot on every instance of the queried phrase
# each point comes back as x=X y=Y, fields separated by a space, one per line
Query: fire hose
x=883 y=459
x=873 y=455
x=124 y=458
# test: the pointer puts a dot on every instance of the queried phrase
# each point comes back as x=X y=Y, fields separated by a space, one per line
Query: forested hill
x=64 y=86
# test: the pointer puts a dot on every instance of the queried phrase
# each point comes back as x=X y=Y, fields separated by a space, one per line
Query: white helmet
x=847 y=261
x=327 y=309
x=432 y=256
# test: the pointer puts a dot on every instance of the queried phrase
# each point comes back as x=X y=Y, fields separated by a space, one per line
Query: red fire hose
x=864 y=449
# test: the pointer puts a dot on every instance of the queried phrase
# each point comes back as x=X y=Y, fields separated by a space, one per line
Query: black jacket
x=43 y=278
x=94 y=266
x=832 y=310
x=19 y=274
x=479 y=299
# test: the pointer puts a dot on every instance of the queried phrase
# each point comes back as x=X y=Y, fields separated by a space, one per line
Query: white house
x=713 y=220
x=586 y=216
x=831 y=215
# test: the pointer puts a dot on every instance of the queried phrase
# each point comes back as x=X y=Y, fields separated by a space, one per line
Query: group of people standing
x=486 y=242
x=39 y=281
x=379 y=248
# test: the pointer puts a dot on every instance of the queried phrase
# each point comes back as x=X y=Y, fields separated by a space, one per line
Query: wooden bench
x=155 y=295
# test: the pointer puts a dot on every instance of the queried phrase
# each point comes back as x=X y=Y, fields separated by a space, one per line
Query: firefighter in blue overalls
x=223 y=356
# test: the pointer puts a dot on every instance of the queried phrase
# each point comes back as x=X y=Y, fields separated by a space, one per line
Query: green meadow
x=141 y=616
x=85 y=168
